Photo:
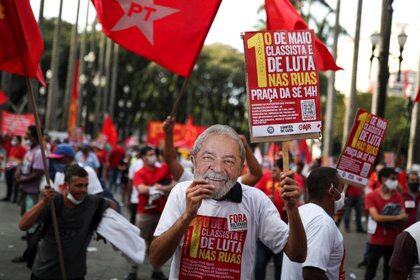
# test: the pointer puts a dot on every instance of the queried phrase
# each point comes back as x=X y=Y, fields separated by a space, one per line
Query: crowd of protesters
x=163 y=192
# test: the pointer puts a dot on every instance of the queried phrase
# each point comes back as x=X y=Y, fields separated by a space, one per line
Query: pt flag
x=170 y=33
x=21 y=45
x=281 y=15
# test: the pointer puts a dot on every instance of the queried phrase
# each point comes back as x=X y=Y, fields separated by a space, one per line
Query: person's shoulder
x=253 y=193
x=182 y=186
x=372 y=195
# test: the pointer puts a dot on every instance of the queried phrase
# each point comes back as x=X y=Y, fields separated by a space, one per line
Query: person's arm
x=164 y=246
x=255 y=172
x=166 y=188
x=35 y=174
x=373 y=212
x=296 y=247
x=313 y=273
x=143 y=189
x=31 y=217
x=404 y=256
x=169 y=152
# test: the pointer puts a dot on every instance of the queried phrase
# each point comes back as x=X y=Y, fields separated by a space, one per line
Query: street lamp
x=374 y=39
x=402 y=38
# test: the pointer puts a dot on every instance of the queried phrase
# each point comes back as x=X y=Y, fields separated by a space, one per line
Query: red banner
x=283 y=84
x=14 y=124
x=362 y=148
x=72 y=118
x=184 y=134
x=213 y=248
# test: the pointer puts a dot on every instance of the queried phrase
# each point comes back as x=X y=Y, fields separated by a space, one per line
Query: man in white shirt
x=61 y=159
x=325 y=243
x=210 y=225
x=136 y=164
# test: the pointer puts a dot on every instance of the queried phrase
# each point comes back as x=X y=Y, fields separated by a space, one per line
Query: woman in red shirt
x=15 y=155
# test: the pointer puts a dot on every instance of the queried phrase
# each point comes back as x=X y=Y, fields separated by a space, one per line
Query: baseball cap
x=62 y=151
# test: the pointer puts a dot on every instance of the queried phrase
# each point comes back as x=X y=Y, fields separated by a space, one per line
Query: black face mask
x=414 y=187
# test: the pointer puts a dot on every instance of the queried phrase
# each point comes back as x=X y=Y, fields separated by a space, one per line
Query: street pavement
x=106 y=264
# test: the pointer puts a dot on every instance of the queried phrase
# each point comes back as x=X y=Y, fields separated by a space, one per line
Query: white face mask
x=391 y=184
x=28 y=142
x=151 y=160
x=338 y=204
x=73 y=200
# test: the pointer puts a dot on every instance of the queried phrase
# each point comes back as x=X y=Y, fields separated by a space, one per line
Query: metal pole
x=413 y=156
x=379 y=99
x=99 y=90
x=82 y=64
x=70 y=70
x=31 y=98
x=53 y=87
x=330 y=113
x=108 y=54
x=115 y=61
x=352 y=104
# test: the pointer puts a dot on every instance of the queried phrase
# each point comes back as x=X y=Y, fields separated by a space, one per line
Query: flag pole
x=285 y=151
x=179 y=97
x=47 y=176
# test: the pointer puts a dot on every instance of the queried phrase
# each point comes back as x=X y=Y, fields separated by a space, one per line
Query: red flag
x=418 y=96
x=282 y=15
x=21 y=44
x=304 y=151
x=3 y=98
x=110 y=131
x=72 y=118
x=170 y=33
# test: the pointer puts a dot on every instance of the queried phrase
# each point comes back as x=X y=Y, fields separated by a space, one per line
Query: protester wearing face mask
x=386 y=212
x=60 y=160
x=411 y=199
x=325 y=253
x=15 y=155
x=77 y=211
x=153 y=183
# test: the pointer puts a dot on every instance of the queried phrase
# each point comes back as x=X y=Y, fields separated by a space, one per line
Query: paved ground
x=106 y=264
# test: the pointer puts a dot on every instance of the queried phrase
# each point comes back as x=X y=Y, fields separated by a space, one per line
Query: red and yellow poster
x=283 y=85
x=213 y=248
x=362 y=148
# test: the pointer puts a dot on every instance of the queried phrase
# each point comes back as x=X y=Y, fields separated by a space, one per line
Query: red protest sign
x=15 y=124
x=362 y=148
x=213 y=248
x=283 y=85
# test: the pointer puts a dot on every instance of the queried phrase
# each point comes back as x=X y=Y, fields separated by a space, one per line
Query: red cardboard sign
x=283 y=85
x=362 y=148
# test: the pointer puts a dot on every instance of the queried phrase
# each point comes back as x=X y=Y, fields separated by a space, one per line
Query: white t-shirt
x=325 y=245
x=220 y=242
x=94 y=185
x=135 y=166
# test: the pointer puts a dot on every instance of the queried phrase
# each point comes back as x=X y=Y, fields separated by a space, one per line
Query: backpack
x=41 y=230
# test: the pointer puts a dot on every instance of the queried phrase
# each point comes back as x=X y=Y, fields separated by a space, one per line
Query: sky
x=236 y=16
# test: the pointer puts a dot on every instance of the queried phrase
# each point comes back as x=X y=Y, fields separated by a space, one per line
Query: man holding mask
x=210 y=225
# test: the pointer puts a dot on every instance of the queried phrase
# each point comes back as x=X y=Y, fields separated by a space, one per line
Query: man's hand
x=290 y=191
x=196 y=192
x=48 y=195
x=18 y=175
x=168 y=125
